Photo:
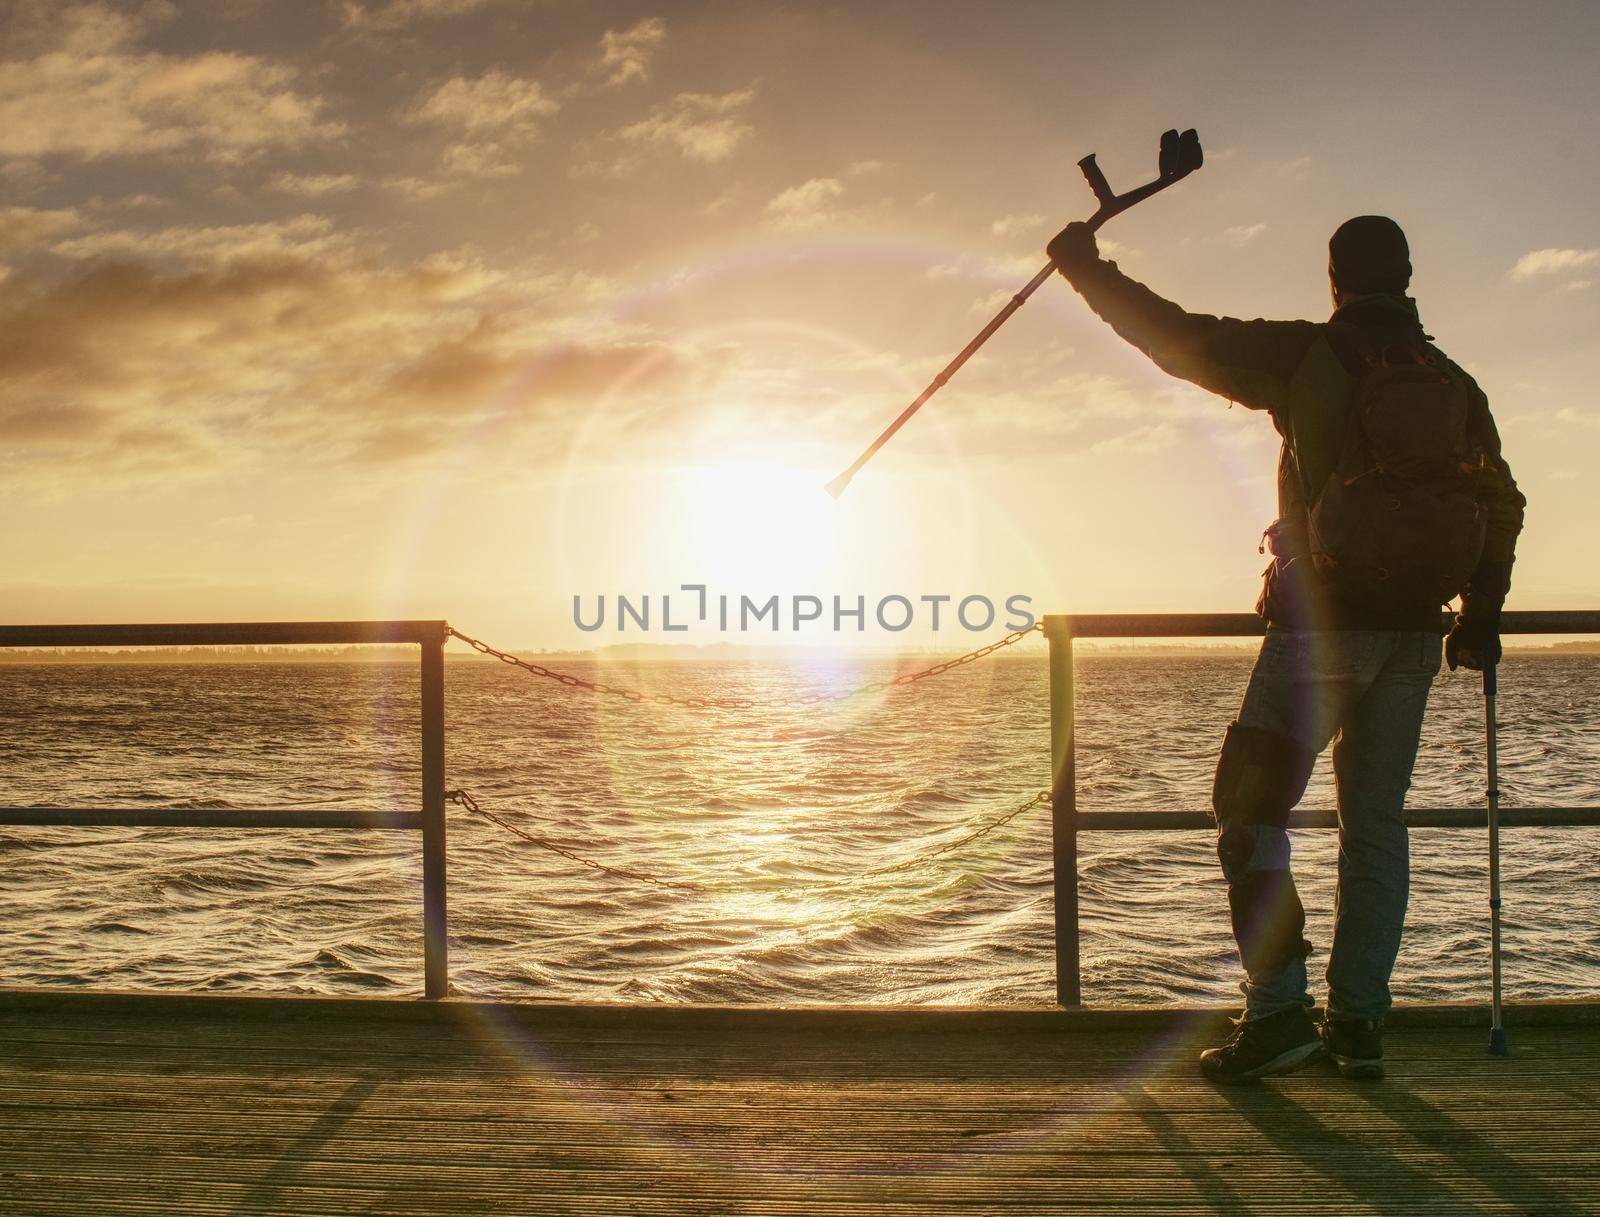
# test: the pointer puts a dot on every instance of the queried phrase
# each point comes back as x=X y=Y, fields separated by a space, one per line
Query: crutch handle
x=1179 y=156
x=1096 y=178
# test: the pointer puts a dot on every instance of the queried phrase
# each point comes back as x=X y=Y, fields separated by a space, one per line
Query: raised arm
x=1250 y=362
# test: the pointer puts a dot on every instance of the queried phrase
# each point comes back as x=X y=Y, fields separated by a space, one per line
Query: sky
x=462 y=308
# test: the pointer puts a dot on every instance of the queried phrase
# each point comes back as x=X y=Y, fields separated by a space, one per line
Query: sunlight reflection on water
x=761 y=807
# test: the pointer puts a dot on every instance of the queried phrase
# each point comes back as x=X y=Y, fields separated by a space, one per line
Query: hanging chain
x=1038 y=800
x=939 y=669
x=578 y=682
x=464 y=799
x=739 y=703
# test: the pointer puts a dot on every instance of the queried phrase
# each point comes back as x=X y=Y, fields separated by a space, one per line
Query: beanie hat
x=1369 y=254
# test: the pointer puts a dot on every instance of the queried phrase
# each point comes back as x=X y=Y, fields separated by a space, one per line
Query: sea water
x=763 y=825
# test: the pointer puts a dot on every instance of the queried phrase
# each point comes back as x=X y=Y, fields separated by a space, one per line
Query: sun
x=760 y=526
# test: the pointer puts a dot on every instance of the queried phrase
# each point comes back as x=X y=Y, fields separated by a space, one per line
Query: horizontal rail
x=211 y=817
x=332 y=633
x=1244 y=625
x=1068 y=821
x=410 y=821
x=429 y=636
x=223 y=634
x=1420 y=817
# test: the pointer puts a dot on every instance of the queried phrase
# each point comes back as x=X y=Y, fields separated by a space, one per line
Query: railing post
x=1064 y=812
x=435 y=916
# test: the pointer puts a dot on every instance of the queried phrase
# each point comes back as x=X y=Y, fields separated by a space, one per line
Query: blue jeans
x=1366 y=691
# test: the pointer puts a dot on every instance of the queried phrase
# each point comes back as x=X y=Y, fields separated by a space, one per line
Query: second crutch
x=1497 y=1030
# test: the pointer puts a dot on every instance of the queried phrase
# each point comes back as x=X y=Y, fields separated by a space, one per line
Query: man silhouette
x=1338 y=664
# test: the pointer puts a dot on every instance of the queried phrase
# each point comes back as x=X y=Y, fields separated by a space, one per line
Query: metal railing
x=1067 y=821
x=429 y=636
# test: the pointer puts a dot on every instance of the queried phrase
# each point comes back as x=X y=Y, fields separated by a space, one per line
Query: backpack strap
x=1360 y=357
x=1363 y=351
x=1354 y=348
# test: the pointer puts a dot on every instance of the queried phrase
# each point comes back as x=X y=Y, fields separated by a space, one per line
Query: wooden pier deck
x=218 y=1105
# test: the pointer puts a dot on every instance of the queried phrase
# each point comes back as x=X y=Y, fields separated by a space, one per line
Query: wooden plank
x=108 y=1008
x=213 y=1107
x=930 y=1059
x=818 y=1130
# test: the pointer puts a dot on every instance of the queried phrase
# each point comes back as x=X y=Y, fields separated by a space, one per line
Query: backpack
x=1397 y=523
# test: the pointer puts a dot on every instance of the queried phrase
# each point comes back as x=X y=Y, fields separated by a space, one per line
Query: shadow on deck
x=225 y=1105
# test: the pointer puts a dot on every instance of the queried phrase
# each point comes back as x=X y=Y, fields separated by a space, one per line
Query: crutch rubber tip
x=1497 y=1042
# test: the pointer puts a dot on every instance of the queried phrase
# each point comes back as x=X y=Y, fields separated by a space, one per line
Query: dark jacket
x=1301 y=373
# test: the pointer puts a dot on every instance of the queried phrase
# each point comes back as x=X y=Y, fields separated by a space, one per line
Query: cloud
x=1553 y=262
x=468 y=369
x=495 y=103
x=1016 y=226
x=88 y=27
x=626 y=55
x=496 y=115
x=303 y=236
x=1296 y=170
x=1138 y=441
x=723 y=201
x=395 y=14
x=705 y=128
x=91 y=94
x=992 y=303
x=415 y=188
x=313 y=185
x=807 y=205
x=1572 y=417
x=129 y=202
x=260 y=347
x=481 y=160
x=24 y=227
x=1243 y=234
x=1018 y=269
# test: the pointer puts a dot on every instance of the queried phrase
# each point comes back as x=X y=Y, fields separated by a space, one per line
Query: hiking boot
x=1259 y=1047
x=1355 y=1044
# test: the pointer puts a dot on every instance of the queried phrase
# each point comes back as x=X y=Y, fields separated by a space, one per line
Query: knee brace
x=1268 y=920
x=1236 y=847
x=1261 y=775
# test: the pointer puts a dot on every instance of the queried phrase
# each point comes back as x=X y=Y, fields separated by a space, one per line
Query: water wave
x=776 y=817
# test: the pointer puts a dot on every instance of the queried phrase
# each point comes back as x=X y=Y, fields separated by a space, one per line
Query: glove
x=1474 y=640
x=1073 y=248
